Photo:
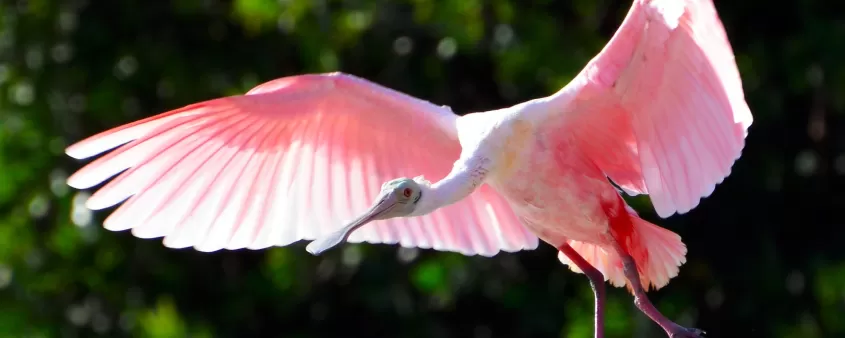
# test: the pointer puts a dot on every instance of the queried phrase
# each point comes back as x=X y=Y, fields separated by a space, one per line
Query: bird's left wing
x=292 y=159
x=661 y=109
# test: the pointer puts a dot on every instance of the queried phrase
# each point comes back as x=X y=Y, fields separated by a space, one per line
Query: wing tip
x=204 y=248
x=95 y=202
x=76 y=181
x=78 y=151
x=83 y=179
x=117 y=227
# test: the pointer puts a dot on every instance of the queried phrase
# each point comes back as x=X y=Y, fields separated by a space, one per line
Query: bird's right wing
x=292 y=159
x=661 y=108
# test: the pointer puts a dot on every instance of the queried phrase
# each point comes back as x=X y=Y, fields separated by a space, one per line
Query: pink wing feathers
x=292 y=159
x=661 y=109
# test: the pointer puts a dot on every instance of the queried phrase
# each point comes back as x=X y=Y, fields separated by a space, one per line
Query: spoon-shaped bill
x=328 y=241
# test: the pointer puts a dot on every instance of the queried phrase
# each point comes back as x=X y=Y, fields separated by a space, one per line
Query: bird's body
x=550 y=186
x=659 y=111
x=557 y=194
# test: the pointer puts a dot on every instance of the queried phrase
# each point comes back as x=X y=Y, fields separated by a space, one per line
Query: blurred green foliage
x=766 y=253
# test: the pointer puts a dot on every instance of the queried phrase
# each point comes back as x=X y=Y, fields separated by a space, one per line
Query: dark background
x=765 y=251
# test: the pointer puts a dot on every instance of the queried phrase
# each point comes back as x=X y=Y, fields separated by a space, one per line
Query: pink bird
x=659 y=111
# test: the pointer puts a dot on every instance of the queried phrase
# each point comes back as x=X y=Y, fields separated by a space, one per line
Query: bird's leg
x=596 y=282
x=644 y=304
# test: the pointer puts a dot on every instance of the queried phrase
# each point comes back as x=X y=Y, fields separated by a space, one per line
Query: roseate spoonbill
x=659 y=111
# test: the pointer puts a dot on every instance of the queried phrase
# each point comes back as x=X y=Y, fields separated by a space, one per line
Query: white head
x=398 y=198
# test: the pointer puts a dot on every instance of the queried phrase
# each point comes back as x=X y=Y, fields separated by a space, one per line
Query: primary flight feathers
x=290 y=160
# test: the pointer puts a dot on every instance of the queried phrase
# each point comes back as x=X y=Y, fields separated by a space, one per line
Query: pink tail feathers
x=659 y=255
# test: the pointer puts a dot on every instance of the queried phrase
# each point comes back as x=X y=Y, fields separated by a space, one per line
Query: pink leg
x=596 y=282
x=644 y=304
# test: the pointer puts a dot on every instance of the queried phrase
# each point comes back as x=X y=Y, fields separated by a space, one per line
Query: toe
x=682 y=332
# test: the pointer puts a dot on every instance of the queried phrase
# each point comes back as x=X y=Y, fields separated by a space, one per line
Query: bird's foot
x=672 y=329
x=644 y=304
x=677 y=331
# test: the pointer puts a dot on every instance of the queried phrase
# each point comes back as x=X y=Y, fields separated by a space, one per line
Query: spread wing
x=292 y=159
x=661 y=109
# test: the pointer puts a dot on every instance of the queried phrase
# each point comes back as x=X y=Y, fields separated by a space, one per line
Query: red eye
x=407 y=192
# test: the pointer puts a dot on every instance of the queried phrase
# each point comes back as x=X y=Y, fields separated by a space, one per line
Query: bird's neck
x=464 y=178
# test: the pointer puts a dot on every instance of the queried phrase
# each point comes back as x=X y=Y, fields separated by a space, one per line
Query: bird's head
x=397 y=198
